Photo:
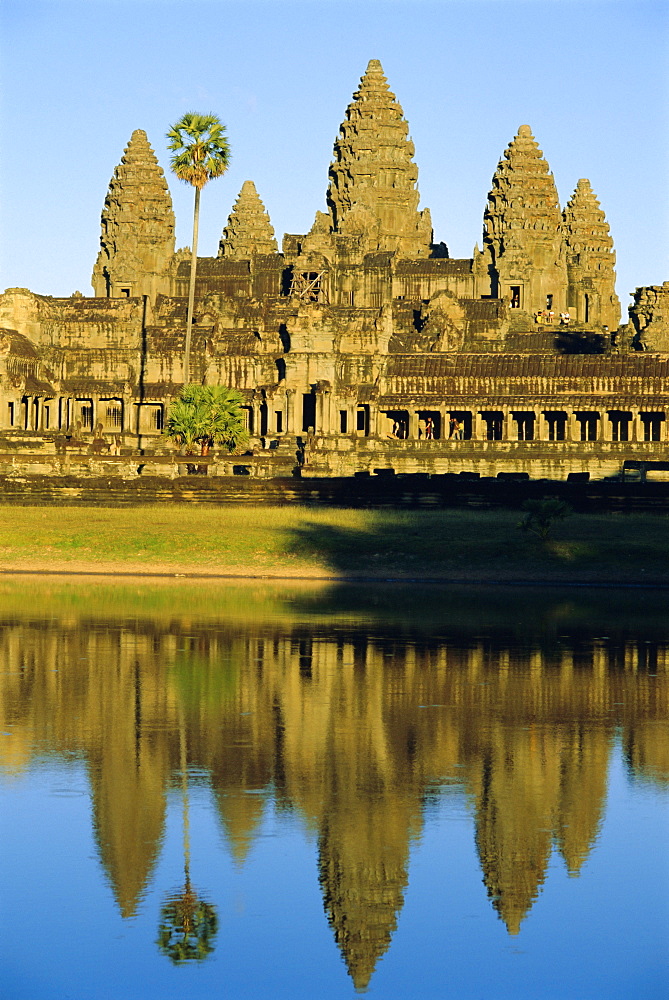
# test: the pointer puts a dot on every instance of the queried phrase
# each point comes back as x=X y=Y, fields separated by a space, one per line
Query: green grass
x=299 y=541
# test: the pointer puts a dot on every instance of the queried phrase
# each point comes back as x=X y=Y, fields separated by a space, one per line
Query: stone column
x=413 y=425
x=290 y=412
x=322 y=412
x=506 y=424
x=479 y=428
x=352 y=417
x=573 y=428
x=256 y=418
x=538 y=425
x=373 y=420
x=607 y=427
x=636 y=429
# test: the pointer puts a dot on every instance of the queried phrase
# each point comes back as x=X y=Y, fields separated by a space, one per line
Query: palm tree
x=205 y=415
x=201 y=153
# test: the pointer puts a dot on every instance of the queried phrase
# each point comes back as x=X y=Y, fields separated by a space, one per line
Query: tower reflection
x=351 y=722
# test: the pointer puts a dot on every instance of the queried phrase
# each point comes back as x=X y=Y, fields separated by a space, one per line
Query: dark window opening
x=524 y=426
x=429 y=424
x=398 y=424
x=125 y=292
x=263 y=418
x=557 y=425
x=460 y=425
x=114 y=414
x=286 y=285
x=284 y=337
x=86 y=416
x=362 y=419
x=588 y=423
x=343 y=421
x=652 y=426
x=549 y=301
x=494 y=421
x=309 y=411
x=157 y=418
x=279 y=421
x=586 y=308
x=281 y=369
x=620 y=424
x=10 y=414
x=515 y=296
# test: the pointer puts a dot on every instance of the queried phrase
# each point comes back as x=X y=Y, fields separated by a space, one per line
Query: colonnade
x=321 y=411
x=291 y=412
x=82 y=414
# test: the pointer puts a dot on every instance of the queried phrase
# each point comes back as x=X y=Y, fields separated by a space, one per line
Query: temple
x=361 y=346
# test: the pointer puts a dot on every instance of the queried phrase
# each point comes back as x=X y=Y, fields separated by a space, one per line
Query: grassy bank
x=298 y=541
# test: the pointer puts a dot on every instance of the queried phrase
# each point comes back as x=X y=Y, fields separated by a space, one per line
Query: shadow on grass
x=486 y=545
x=577 y=580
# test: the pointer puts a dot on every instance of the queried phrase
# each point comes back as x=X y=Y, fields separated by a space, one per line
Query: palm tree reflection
x=188 y=924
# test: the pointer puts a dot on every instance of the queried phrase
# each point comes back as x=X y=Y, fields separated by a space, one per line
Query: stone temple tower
x=372 y=189
x=137 y=238
x=591 y=297
x=249 y=230
x=522 y=234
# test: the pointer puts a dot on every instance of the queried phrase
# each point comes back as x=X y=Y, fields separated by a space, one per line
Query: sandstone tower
x=249 y=230
x=591 y=296
x=137 y=238
x=522 y=235
x=372 y=191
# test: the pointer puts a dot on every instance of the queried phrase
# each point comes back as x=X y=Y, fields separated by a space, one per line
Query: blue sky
x=77 y=76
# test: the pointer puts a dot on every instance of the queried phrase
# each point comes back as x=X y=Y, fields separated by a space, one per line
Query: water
x=262 y=791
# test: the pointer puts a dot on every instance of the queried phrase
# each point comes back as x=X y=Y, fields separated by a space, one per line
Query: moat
x=265 y=790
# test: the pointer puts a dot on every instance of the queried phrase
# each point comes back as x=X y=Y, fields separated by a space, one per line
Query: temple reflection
x=351 y=725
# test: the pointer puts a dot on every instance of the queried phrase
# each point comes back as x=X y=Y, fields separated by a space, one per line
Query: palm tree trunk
x=191 y=287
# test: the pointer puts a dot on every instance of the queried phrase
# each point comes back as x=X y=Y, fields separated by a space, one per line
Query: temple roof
x=249 y=230
x=372 y=188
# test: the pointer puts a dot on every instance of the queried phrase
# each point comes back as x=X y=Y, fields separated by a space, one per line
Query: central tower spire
x=372 y=189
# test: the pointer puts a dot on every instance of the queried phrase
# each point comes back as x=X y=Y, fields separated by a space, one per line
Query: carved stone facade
x=372 y=195
x=590 y=259
x=362 y=345
x=137 y=239
x=522 y=236
x=249 y=230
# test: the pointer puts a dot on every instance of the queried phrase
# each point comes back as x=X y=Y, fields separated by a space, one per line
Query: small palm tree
x=205 y=415
x=201 y=153
x=541 y=514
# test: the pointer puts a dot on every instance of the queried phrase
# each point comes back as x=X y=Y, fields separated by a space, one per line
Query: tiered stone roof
x=585 y=227
x=523 y=208
x=249 y=230
x=137 y=238
x=373 y=177
x=590 y=254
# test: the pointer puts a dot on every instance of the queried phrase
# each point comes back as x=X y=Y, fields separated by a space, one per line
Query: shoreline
x=320 y=576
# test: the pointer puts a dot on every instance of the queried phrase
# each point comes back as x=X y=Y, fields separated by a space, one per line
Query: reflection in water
x=324 y=706
x=188 y=925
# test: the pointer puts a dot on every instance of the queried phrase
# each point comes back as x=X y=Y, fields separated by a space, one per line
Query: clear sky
x=591 y=77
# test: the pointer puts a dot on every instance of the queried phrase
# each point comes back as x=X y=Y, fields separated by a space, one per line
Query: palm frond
x=200 y=148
